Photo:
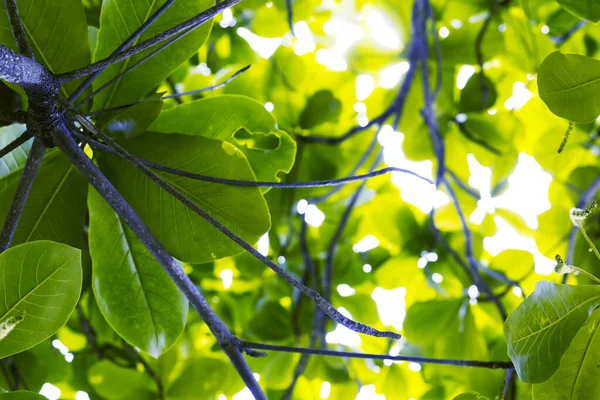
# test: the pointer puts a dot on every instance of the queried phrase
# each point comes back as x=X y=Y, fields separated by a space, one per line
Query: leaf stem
x=348 y=354
x=151 y=373
x=587 y=239
x=34 y=160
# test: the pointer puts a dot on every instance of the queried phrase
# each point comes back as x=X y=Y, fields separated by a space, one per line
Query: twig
x=34 y=160
x=147 y=368
x=89 y=333
x=421 y=360
x=25 y=136
x=177 y=95
x=191 y=23
x=12 y=117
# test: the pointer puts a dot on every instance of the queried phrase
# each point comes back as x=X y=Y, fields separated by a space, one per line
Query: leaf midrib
x=557 y=320
x=572 y=88
x=37 y=286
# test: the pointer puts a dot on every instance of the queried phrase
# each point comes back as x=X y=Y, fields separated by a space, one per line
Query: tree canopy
x=383 y=199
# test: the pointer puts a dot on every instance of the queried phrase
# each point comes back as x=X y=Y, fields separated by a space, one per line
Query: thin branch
x=471 y=192
x=348 y=354
x=175 y=92
x=111 y=195
x=558 y=40
x=351 y=133
x=236 y=182
x=89 y=333
x=479 y=52
x=331 y=311
x=190 y=24
x=290 y=15
x=473 y=263
x=177 y=95
x=34 y=160
x=131 y=68
x=25 y=136
x=151 y=373
x=128 y=42
x=17 y=28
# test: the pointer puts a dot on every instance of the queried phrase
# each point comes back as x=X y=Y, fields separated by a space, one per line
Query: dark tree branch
x=471 y=192
x=24 y=72
x=290 y=15
x=15 y=144
x=421 y=360
x=17 y=28
x=111 y=195
x=130 y=40
x=236 y=182
x=190 y=24
x=178 y=95
x=151 y=373
x=34 y=160
x=558 y=40
x=174 y=92
x=333 y=313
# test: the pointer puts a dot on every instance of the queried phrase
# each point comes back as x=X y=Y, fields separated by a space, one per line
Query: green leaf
x=322 y=107
x=57 y=32
x=134 y=120
x=185 y=234
x=427 y=321
x=200 y=379
x=114 y=382
x=540 y=330
x=21 y=395
x=120 y=18
x=570 y=86
x=577 y=376
x=55 y=209
x=586 y=9
x=471 y=97
x=137 y=297
x=41 y=282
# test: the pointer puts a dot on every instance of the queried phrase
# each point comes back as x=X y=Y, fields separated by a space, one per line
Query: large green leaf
x=268 y=150
x=577 y=377
x=118 y=20
x=570 y=86
x=57 y=33
x=137 y=297
x=55 y=209
x=134 y=120
x=539 y=332
x=185 y=234
x=427 y=321
x=586 y=9
x=200 y=379
x=41 y=282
